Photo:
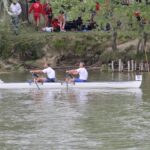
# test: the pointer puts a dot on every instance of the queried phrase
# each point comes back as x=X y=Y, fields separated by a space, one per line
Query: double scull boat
x=84 y=85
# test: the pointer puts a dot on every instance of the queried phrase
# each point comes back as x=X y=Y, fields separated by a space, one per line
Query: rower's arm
x=73 y=72
x=36 y=71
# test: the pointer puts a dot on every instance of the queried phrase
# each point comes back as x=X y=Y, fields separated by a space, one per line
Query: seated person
x=55 y=25
x=47 y=29
x=82 y=72
x=70 y=25
x=137 y=14
x=48 y=71
x=79 y=23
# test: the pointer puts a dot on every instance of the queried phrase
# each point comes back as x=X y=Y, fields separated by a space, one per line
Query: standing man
x=82 y=72
x=15 y=11
x=48 y=71
x=62 y=21
x=37 y=11
x=47 y=13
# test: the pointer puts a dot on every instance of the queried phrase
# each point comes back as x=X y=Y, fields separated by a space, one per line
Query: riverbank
x=30 y=48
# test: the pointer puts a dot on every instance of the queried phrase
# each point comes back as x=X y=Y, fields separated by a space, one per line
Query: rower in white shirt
x=82 y=72
x=48 y=71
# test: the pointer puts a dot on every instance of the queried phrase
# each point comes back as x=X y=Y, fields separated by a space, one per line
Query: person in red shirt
x=37 y=10
x=137 y=14
x=56 y=25
x=47 y=12
x=97 y=6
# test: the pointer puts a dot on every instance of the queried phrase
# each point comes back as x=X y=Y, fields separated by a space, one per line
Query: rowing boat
x=82 y=85
x=62 y=85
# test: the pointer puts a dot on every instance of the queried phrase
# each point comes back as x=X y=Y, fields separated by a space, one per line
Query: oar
x=69 y=76
x=35 y=76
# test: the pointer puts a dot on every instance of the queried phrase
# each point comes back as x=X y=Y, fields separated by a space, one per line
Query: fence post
x=112 y=66
x=120 y=65
x=128 y=66
x=132 y=65
x=141 y=66
x=135 y=66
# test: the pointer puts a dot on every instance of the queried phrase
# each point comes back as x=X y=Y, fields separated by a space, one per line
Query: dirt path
x=123 y=46
x=127 y=44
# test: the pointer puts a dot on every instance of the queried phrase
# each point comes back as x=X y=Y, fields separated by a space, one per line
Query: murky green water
x=75 y=119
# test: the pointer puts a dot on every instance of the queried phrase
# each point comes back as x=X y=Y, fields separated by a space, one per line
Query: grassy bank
x=31 y=48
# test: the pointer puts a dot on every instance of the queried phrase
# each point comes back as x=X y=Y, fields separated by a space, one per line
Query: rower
x=81 y=71
x=48 y=70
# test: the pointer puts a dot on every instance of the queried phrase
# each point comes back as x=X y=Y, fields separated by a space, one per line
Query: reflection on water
x=75 y=119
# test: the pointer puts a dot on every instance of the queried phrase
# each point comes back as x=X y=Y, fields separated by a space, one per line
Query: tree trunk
x=24 y=6
x=139 y=45
x=142 y=42
x=114 y=39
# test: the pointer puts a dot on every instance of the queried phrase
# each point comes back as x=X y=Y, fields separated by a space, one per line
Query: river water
x=75 y=119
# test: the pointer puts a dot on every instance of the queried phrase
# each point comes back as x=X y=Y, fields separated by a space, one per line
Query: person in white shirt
x=15 y=11
x=48 y=71
x=82 y=72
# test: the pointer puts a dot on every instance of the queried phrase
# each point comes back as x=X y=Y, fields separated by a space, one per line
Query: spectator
x=125 y=2
x=79 y=23
x=55 y=25
x=47 y=12
x=62 y=21
x=75 y=25
x=97 y=7
x=139 y=1
x=47 y=29
x=137 y=15
x=15 y=9
x=108 y=27
x=92 y=25
x=37 y=10
x=71 y=25
x=119 y=23
x=31 y=1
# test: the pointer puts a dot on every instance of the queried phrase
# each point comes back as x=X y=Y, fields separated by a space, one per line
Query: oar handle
x=68 y=75
x=34 y=75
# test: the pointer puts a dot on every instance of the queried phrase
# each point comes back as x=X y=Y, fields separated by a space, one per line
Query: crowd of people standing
x=38 y=9
x=44 y=11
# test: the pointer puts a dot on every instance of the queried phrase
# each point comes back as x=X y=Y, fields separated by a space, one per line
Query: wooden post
x=120 y=66
x=112 y=66
x=128 y=66
x=132 y=65
x=135 y=66
x=141 y=66
x=146 y=66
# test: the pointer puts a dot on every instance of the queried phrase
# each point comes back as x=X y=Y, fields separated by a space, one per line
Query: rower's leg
x=41 y=80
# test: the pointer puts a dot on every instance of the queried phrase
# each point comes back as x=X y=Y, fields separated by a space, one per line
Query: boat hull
x=85 y=85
